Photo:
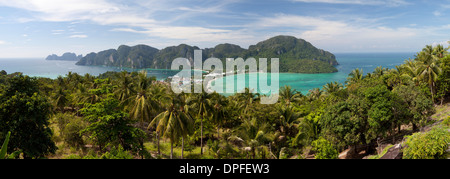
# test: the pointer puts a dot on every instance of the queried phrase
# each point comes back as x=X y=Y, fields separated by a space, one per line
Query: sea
x=40 y=67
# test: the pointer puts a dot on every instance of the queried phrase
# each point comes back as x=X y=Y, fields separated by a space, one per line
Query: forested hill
x=296 y=55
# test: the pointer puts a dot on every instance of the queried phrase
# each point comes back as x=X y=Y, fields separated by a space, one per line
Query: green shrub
x=62 y=119
x=117 y=153
x=324 y=149
x=71 y=133
x=446 y=122
x=429 y=145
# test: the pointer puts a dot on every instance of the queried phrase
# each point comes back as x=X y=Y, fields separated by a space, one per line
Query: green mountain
x=296 y=55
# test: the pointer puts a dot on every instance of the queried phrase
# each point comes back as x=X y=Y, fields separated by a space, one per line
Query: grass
x=165 y=151
x=382 y=153
x=442 y=112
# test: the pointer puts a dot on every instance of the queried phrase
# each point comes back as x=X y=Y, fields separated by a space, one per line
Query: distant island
x=66 y=57
x=296 y=55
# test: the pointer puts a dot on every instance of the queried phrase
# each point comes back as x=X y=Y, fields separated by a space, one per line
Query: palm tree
x=174 y=123
x=439 y=51
x=159 y=94
x=124 y=88
x=428 y=68
x=396 y=76
x=143 y=106
x=219 y=111
x=355 y=76
x=288 y=119
x=314 y=94
x=254 y=134
x=246 y=99
x=332 y=87
x=202 y=103
x=411 y=70
x=289 y=95
x=379 y=71
x=86 y=95
x=60 y=99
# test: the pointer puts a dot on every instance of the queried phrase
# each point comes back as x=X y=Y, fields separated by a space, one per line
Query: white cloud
x=191 y=35
x=437 y=13
x=127 y=18
x=359 y=2
x=348 y=35
x=98 y=11
x=2 y=42
x=444 y=43
x=78 y=36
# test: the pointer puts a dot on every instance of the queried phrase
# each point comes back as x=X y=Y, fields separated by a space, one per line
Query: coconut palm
x=253 y=134
x=219 y=110
x=428 y=69
x=142 y=105
x=314 y=94
x=174 y=123
x=288 y=120
x=86 y=95
x=201 y=102
x=411 y=71
x=355 y=76
x=60 y=99
x=379 y=71
x=159 y=94
x=439 y=51
x=332 y=87
x=289 y=95
x=125 y=87
x=246 y=99
x=396 y=76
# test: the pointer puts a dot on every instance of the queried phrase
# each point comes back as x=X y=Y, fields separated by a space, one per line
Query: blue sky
x=37 y=28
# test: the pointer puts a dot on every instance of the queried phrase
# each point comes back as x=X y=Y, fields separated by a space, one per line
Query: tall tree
x=332 y=87
x=202 y=103
x=428 y=68
x=355 y=76
x=125 y=87
x=174 y=123
x=108 y=124
x=289 y=95
x=60 y=99
x=288 y=120
x=143 y=105
x=219 y=111
x=411 y=70
x=254 y=134
x=26 y=113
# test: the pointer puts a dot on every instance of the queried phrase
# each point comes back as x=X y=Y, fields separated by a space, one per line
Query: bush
x=71 y=133
x=429 y=145
x=324 y=149
x=117 y=153
x=446 y=122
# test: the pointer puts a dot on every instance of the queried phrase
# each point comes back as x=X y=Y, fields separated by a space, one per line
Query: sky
x=37 y=28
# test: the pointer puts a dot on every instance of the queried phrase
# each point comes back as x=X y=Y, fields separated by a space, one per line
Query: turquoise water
x=301 y=82
x=348 y=61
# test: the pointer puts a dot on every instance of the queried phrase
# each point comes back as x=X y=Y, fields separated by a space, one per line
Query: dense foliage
x=131 y=115
x=429 y=145
x=25 y=112
x=296 y=55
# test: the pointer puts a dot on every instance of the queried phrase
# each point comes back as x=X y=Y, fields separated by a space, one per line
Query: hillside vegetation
x=296 y=55
x=131 y=115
